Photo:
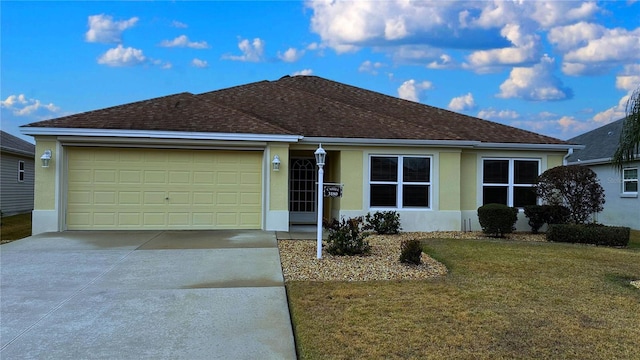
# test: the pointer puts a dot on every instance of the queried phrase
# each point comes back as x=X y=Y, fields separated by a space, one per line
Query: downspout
x=564 y=158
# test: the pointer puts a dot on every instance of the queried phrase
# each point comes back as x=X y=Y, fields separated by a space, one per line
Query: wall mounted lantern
x=46 y=157
x=276 y=163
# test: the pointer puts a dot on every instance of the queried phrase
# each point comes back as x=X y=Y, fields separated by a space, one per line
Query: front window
x=509 y=181
x=20 y=171
x=400 y=182
x=630 y=180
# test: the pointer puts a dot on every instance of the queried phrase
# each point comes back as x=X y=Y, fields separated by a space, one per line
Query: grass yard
x=501 y=300
x=15 y=227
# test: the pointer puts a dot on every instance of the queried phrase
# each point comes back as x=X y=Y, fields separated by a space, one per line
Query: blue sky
x=559 y=68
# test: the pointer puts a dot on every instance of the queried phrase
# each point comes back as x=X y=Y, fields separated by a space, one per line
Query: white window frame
x=624 y=181
x=399 y=182
x=21 y=171
x=511 y=185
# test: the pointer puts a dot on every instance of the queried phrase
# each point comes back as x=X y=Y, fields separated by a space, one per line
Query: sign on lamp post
x=320 y=155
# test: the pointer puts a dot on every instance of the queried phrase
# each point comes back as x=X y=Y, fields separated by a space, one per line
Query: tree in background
x=629 y=146
x=574 y=186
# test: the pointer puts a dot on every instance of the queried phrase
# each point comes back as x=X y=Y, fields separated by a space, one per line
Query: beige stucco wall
x=351 y=175
x=279 y=180
x=45 y=181
x=468 y=180
x=449 y=181
x=553 y=161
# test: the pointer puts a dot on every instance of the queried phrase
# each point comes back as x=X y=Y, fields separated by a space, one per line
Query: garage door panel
x=163 y=189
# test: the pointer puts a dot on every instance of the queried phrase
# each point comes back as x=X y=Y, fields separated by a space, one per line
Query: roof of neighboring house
x=308 y=106
x=600 y=143
x=15 y=145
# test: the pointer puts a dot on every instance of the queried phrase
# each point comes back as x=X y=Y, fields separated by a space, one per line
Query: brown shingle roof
x=302 y=105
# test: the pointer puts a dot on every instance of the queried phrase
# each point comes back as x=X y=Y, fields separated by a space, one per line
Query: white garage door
x=163 y=189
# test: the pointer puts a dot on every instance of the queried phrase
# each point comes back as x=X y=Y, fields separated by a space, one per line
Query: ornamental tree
x=575 y=186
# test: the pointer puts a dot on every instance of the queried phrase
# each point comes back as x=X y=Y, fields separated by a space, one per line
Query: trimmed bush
x=557 y=214
x=411 y=252
x=546 y=214
x=536 y=215
x=383 y=223
x=346 y=238
x=497 y=219
x=589 y=234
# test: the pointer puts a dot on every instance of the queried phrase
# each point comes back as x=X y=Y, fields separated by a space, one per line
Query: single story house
x=205 y=161
x=16 y=175
x=622 y=204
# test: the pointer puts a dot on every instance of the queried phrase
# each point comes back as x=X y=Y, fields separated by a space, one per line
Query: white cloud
x=525 y=48
x=291 y=55
x=21 y=106
x=121 y=56
x=462 y=103
x=629 y=79
x=535 y=83
x=443 y=62
x=410 y=89
x=303 y=72
x=251 y=51
x=492 y=114
x=103 y=29
x=199 y=63
x=183 y=41
x=178 y=24
x=554 y=13
x=613 y=113
x=371 y=67
x=591 y=48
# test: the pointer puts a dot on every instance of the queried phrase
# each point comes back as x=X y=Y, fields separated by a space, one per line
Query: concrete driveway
x=144 y=295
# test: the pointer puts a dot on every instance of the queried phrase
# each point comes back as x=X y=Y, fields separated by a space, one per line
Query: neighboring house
x=622 y=205
x=204 y=161
x=16 y=175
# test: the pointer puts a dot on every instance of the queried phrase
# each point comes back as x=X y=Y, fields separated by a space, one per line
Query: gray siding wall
x=619 y=210
x=16 y=197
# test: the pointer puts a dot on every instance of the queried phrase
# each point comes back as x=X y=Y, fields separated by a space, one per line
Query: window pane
x=494 y=194
x=524 y=196
x=630 y=186
x=526 y=172
x=415 y=169
x=630 y=174
x=383 y=195
x=384 y=169
x=21 y=165
x=415 y=195
x=496 y=172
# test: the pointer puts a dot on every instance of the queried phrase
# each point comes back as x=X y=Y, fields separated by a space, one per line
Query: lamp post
x=320 y=157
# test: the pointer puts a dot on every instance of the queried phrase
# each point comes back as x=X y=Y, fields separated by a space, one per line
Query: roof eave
x=155 y=134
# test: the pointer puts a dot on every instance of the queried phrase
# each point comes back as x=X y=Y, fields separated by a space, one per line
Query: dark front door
x=303 y=177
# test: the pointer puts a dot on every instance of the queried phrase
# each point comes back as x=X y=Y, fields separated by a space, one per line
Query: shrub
x=497 y=219
x=589 y=234
x=575 y=186
x=557 y=214
x=536 y=215
x=411 y=252
x=383 y=223
x=545 y=214
x=346 y=238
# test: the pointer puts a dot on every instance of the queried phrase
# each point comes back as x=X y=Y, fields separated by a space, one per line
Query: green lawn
x=15 y=227
x=501 y=300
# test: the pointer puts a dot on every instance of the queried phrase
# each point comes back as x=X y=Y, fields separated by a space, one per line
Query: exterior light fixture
x=320 y=155
x=46 y=157
x=276 y=163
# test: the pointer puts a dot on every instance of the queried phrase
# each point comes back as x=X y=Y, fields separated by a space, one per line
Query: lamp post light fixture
x=46 y=157
x=320 y=155
x=276 y=163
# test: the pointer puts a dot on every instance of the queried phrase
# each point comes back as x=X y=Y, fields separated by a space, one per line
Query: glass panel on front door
x=303 y=177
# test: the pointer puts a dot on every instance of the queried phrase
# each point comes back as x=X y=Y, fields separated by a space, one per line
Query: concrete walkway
x=144 y=295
